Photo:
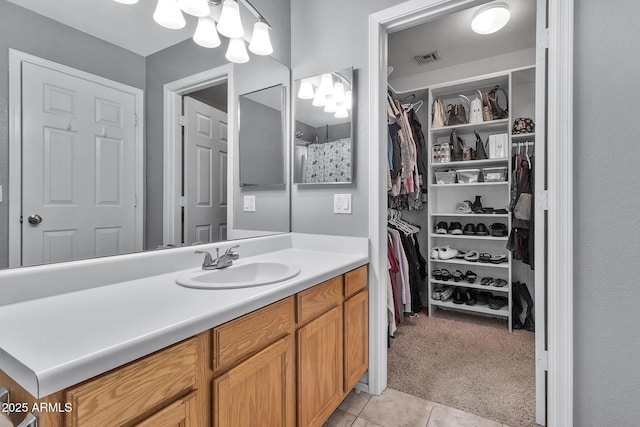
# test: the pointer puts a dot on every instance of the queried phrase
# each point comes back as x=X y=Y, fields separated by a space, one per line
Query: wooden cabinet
x=259 y=391
x=356 y=342
x=319 y=347
x=178 y=414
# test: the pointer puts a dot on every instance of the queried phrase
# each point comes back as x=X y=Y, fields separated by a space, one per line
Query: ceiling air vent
x=427 y=57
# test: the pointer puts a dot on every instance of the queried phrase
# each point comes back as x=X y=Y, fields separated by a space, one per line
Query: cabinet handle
x=29 y=421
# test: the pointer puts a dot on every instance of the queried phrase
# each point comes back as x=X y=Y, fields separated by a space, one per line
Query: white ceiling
x=456 y=43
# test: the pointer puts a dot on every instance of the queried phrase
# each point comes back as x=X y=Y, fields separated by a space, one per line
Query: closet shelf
x=462 y=236
x=470 y=215
x=493 y=125
x=503 y=312
x=471 y=184
x=522 y=137
x=477 y=264
x=469 y=163
x=464 y=284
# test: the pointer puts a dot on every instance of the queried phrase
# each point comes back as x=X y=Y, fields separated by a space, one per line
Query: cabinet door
x=259 y=391
x=319 y=348
x=178 y=414
x=356 y=338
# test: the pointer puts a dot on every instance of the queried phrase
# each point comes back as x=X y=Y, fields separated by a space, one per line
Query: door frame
x=172 y=159
x=16 y=58
x=559 y=195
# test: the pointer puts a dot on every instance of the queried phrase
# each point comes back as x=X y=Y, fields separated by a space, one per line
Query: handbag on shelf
x=468 y=153
x=457 y=115
x=491 y=109
x=475 y=109
x=456 y=146
x=438 y=114
x=481 y=153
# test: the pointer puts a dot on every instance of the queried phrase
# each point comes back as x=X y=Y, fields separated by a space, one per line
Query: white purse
x=475 y=109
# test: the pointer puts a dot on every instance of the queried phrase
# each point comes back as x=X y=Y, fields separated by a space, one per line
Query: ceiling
x=456 y=43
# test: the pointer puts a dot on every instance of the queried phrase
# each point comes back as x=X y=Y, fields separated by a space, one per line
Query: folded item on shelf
x=463 y=207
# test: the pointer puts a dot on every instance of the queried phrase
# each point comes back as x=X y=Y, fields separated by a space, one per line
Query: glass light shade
x=348 y=102
x=341 y=112
x=230 y=24
x=260 y=41
x=338 y=92
x=206 y=34
x=306 y=90
x=169 y=15
x=127 y=1
x=491 y=18
x=195 y=7
x=326 y=84
x=319 y=100
x=331 y=106
x=237 y=51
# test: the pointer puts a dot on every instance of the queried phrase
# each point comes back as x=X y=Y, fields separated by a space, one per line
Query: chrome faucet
x=221 y=261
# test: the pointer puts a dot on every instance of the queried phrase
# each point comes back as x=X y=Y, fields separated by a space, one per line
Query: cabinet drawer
x=128 y=392
x=320 y=298
x=178 y=414
x=355 y=280
x=252 y=332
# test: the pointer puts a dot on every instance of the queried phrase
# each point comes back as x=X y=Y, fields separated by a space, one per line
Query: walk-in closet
x=461 y=143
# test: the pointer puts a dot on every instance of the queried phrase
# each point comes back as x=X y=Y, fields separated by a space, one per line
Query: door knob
x=34 y=219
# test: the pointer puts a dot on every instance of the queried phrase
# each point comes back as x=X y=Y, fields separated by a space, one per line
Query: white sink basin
x=239 y=276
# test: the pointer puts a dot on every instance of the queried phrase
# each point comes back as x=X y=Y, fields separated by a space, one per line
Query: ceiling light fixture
x=491 y=18
x=341 y=112
x=306 y=90
x=319 y=100
x=168 y=13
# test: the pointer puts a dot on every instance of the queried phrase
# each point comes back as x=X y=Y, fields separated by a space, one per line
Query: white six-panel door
x=78 y=168
x=205 y=173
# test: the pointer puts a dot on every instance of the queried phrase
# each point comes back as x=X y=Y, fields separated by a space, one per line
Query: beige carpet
x=467 y=362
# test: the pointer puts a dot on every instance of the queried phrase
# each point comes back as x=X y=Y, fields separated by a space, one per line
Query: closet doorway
x=439 y=222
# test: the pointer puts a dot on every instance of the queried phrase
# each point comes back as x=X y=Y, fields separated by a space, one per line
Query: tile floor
x=396 y=409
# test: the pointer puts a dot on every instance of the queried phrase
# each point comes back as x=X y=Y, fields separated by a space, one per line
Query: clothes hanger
x=527 y=154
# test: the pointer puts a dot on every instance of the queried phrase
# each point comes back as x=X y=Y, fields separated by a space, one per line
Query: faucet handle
x=229 y=251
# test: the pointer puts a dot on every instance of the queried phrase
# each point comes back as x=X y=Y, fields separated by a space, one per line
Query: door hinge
x=542 y=200
x=135 y=119
x=181 y=201
x=135 y=200
x=543 y=39
x=182 y=121
x=20 y=219
x=543 y=360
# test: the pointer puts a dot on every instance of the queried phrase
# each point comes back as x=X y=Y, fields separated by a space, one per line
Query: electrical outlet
x=249 y=203
x=342 y=203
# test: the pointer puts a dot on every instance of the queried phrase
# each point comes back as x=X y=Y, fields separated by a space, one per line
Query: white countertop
x=50 y=343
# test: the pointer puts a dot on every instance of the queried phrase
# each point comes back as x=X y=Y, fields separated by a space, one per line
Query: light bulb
x=230 y=24
x=260 y=41
x=306 y=90
x=326 y=84
x=195 y=7
x=348 y=102
x=127 y=1
x=237 y=51
x=338 y=92
x=331 y=106
x=490 y=19
x=319 y=100
x=341 y=112
x=168 y=15
x=206 y=34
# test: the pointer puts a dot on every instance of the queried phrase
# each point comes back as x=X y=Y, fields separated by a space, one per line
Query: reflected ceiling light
x=195 y=7
x=332 y=105
x=127 y=1
x=348 y=102
x=341 y=112
x=206 y=34
x=169 y=15
x=237 y=51
x=260 y=40
x=489 y=19
x=230 y=24
x=306 y=90
x=338 y=92
x=326 y=85
x=319 y=100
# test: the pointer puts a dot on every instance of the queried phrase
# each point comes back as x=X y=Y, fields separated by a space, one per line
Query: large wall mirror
x=323 y=128
x=84 y=165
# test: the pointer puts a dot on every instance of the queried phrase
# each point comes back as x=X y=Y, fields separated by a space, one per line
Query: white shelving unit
x=442 y=199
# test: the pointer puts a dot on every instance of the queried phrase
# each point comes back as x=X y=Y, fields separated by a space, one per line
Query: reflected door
x=205 y=173
x=78 y=168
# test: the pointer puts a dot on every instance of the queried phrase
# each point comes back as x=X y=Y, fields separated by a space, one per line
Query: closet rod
x=526 y=143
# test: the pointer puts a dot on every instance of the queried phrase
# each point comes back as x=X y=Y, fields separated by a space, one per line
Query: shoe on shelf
x=498 y=259
x=476 y=206
x=485 y=257
x=472 y=256
x=446 y=294
x=461 y=254
x=470 y=296
x=498 y=230
x=486 y=281
x=458 y=275
x=469 y=230
x=435 y=252
x=441 y=228
x=446 y=275
x=499 y=283
x=459 y=296
x=436 y=295
x=481 y=230
x=436 y=274
x=496 y=303
x=447 y=253
x=470 y=276
x=482 y=298
x=455 y=228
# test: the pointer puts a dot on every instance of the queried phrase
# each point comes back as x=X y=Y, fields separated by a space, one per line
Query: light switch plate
x=249 y=203
x=342 y=203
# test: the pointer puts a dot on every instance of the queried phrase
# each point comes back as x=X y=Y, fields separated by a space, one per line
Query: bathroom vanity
x=298 y=348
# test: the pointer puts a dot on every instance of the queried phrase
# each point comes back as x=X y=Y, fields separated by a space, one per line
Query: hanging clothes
x=521 y=240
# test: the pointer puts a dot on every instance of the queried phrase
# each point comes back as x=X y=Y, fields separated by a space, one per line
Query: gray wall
x=315 y=50
x=214 y=96
x=607 y=205
x=31 y=33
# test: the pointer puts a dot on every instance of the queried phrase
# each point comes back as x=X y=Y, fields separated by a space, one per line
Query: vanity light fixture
x=197 y=8
x=260 y=41
x=331 y=106
x=319 y=100
x=341 y=112
x=230 y=24
x=338 y=93
x=306 y=90
x=326 y=85
x=206 y=34
x=169 y=15
x=491 y=18
x=237 y=51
